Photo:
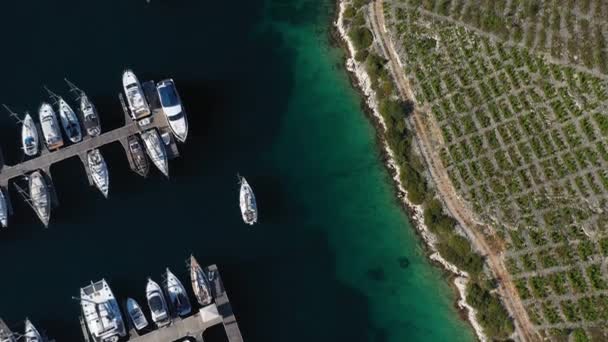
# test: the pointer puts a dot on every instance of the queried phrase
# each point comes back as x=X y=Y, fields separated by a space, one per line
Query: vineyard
x=518 y=93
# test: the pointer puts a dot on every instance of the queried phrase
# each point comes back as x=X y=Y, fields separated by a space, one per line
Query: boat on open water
x=99 y=171
x=173 y=109
x=157 y=304
x=247 y=202
x=200 y=283
x=135 y=95
x=136 y=314
x=40 y=197
x=156 y=150
x=178 y=297
x=50 y=128
x=101 y=312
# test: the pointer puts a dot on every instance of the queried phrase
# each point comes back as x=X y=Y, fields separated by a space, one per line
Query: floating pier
x=193 y=327
x=44 y=161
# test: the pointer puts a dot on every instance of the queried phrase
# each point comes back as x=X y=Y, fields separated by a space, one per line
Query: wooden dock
x=47 y=158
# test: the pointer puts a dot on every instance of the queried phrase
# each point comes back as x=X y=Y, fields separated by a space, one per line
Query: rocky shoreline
x=361 y=81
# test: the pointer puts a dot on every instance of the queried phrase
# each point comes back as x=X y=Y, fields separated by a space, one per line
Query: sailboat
x=89 y=112
x=247 y=202
x=99 y=171
x=178 y=297
x=50 y=129
x=29 y=133
x=31 y=333
x=156 y=150
x=200 y=283
x=40 y=197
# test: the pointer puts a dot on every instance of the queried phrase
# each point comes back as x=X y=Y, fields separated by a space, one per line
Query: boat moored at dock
x=136 y=149
x=156 y=150
x=101 y=312
x=69 y=121
x=247 y=202
x=136 y=314
x=173 y=109
x=200 y=283
x=135 y=95
x=3 y=210
x=99 y=171
x=178 y=297
x=29 y=136
x=31 y=333
x=157 y=304
x=50 y=128
x=40 y=197
x=90 y=117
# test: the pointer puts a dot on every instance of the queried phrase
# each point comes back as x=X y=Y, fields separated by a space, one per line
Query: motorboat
x=157 y=304
x=50 y=128
x=138 y=105
x=31 y=333
x=29 y=136
x=3 y=209
x=173 y=109
x=99 y=171
x=136 y=314
x=178 y=297
x=101 y=312
x=249 y=208
x=200 y=283
x=156 y=150
x=40 y=197
x=138 y=155
x=69 y=121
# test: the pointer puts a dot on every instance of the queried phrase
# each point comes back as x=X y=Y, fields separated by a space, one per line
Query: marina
x=150 y=123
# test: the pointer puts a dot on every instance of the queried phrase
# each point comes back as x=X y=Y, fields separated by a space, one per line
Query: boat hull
x=90 y=116
x=156 y=150
x=31 y=333
x=99 y=171
x=69 y=121
x=135 y=95
x=50 y=127
x=40 y=197
x=178 y=297
x=138 y=155
x=136 y=314
x=29 y=136
x=200 y=284
x=247 y=203
x=157 y=304
x=173 y=109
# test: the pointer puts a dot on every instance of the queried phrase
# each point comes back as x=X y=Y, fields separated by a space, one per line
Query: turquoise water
x=334 y=257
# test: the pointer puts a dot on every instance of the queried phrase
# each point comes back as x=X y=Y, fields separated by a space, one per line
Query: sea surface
x=334 y=257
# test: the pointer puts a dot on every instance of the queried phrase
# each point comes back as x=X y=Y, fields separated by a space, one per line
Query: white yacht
x=50 y=129
x=3 y=210
x=157 y=304
x=99 y=171
x=173 y=109
x=101 y=312
x=178 y=297
x=40 y=197
x=31 y=333
x=142 y=167
x=200 y=283
x=249 y=208
x=29 y=136
x=69 y=121
x=156 y=150
x=135 y=95
x=136 y=314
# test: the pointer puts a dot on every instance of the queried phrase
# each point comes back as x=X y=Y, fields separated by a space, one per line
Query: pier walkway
x=47 y=158
x=220 y=312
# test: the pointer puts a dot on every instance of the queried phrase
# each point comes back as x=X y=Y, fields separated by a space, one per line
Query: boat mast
x=13 y=114
x=53 y=96
x=74 y=88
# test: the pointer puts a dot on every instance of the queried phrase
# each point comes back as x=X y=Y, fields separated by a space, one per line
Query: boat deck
x=47 y=158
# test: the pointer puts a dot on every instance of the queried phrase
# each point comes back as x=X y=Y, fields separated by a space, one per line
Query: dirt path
x=426 y=140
